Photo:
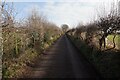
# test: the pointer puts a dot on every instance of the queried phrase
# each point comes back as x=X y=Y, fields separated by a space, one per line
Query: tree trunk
x=16 y=44
x=114 y=41
x=102 y=40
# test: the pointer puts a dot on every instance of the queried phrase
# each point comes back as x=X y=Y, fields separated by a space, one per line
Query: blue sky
x=69 y=12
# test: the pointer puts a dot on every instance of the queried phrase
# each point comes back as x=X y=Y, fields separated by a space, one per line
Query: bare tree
x=7 y=14
x=108 y=24
x=80 y=28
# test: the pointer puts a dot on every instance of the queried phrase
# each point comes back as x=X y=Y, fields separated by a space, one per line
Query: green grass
x=117 y=39
x=110 y=37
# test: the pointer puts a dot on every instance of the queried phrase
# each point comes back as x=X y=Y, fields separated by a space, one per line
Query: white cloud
x=70 y=12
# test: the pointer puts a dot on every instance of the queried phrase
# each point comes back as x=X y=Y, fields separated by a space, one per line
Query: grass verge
x=107 y=63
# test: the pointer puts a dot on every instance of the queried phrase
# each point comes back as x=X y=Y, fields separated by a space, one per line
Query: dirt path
x=63 y=61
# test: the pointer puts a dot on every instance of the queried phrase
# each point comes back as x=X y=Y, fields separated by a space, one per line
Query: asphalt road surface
x=63 y=60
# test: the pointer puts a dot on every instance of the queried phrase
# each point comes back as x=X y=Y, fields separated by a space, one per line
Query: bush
x=107 y=63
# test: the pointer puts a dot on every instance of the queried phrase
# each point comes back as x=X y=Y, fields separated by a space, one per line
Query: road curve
x=62 y=60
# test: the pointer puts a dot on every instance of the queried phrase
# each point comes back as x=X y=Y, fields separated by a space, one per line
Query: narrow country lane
x=63 y=61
